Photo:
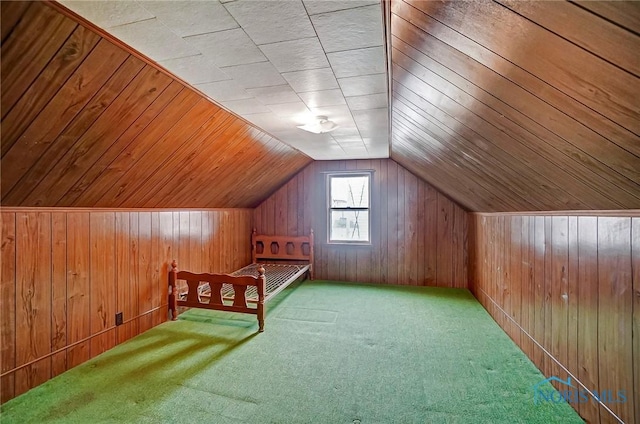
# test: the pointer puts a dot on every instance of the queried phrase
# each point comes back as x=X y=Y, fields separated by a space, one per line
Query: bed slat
x=216 y=294
x=239 y=298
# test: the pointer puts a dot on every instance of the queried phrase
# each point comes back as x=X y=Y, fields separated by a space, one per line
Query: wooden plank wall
x=566 y=288
x=537 y=113
x=86 y=122
x=418 y=234
x=66 y=273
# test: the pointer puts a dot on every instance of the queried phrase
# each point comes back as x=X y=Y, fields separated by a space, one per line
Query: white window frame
x=330 y=208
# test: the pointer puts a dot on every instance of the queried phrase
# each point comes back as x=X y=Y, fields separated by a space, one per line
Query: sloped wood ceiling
x=86 y=123
x=514 y=105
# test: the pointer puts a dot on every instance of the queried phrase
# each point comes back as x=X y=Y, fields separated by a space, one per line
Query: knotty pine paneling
x=66 y=273
x=537 y=113
x=565 y=288
x=419 y=236
x=88 y=123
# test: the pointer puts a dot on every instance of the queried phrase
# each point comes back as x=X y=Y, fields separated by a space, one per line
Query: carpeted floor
x=331 y=353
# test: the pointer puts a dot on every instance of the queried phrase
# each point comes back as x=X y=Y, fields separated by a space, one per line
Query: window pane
x=350 y=192
x=349 y=226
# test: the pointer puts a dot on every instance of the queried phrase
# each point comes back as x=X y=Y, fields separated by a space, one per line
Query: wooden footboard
x=215 y=300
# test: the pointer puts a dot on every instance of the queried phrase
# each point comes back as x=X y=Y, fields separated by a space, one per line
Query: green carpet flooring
x=331 y=353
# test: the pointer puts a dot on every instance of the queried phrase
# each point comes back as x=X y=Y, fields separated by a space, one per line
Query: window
x=349 y=203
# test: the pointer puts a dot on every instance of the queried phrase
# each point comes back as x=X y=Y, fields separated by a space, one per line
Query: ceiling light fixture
x=321 y=125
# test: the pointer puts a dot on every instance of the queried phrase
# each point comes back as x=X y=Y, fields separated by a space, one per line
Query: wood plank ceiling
x=502 y=105
x=86 y=123
x=519 y=105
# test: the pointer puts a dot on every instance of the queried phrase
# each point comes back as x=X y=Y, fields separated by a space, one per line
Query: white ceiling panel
x=274 y=94
x=370 y=101
x=322 y=6
x=227 y=48
x=154 y=39
x=323 y=98
x=340 y=114
x=107 y=14
x=350 y=29
x=272 y=21
x=311 y=80
x=269 y=122
x=363 y=85
x=191 y=17
x=253 y=75
x=346 y=132
x=277 y=64
x=224 y=91
x=195 y=69
x=372 y=123
x=296 y=55
x=352 y=63
x=378 y=151
x=298 y=111
x=245 y=106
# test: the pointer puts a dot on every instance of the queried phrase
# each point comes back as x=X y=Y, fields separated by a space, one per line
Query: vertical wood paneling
x=582 y=307
x=33 y=298
x=572 y=297
x=65 y=274
x=78 y=291
x=515 y=265
x=392 y=224
x=635 y=264
x=419 y=236
x=8 y=315
x=145 y=284
x=58 y=291
x=526 y=276
x=588 y=310
x=444 y=239
x=615 y=311
x=559 y=291
x=124 y=300
x=102 y=286
x=547 y=287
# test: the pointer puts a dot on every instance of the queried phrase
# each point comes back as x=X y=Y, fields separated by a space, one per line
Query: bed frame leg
x=262 y=288
x=260 y=323
x=173 y=298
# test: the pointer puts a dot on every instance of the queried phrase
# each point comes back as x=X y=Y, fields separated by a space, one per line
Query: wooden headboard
x=281 y=248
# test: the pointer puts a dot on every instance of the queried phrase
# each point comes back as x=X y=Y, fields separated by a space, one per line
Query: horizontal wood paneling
x=565 y=288
x=419 y=236
x=66 y=273
x=86 y=123
x=537 y=113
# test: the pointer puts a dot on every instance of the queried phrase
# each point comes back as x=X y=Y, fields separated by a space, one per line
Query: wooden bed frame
x=277 y=261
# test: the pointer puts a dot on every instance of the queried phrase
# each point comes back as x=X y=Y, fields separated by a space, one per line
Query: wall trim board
x=86 y=209
x=620 y=213
x=546 y=352
x=86 y=339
